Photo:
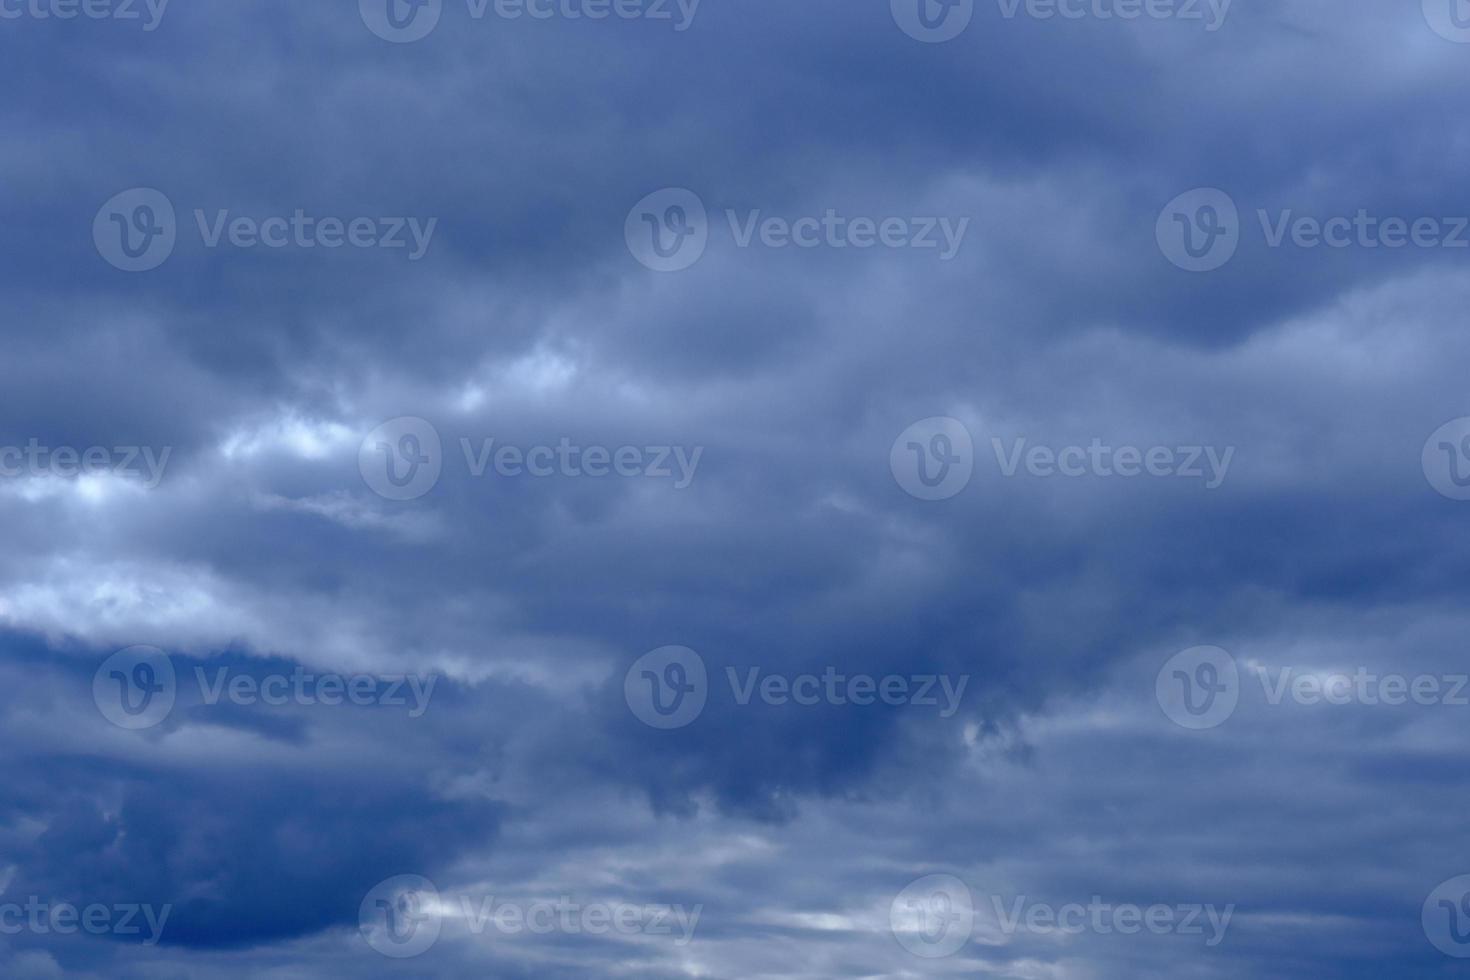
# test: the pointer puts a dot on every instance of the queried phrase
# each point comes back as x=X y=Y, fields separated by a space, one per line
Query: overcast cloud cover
x=1152 y=496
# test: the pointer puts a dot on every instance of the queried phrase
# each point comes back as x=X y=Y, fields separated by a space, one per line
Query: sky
x=669 y=489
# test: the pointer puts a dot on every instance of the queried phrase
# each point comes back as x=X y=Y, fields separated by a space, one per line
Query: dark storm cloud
x=1058 y=320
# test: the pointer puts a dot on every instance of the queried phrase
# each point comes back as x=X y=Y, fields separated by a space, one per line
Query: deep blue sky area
x=734 y=489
